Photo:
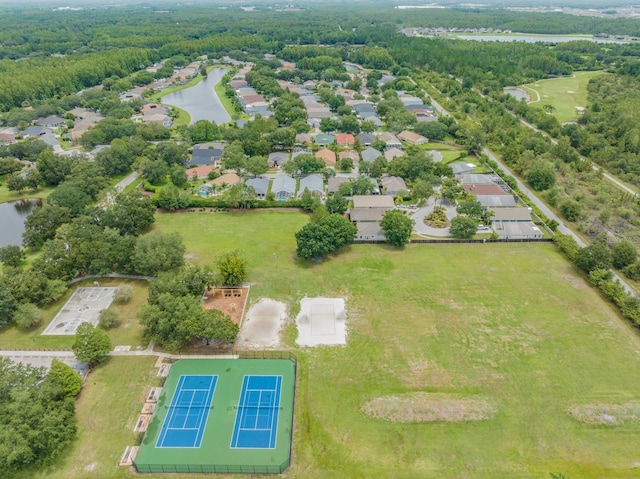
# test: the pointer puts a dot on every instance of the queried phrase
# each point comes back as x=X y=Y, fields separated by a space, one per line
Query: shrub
x=124 y=294
x=109 y=318
x=27 y=316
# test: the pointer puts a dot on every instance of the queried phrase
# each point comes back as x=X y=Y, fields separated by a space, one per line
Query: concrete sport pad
x=84 y=305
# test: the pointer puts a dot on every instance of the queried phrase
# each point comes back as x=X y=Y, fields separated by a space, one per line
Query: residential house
x=200 y=171
x=392 y=153
x=328 y=156
x=436 y=155
x=352 y=154
x=517 y=230
x=205 y=156
x=477 y=179
x=511 y=215
x=484 y=189
x=260 y=185
x=304 y=139
x=345 y=139
x=460 y=168
x=225 y=181
x=377 y=122
x=393 y=185
x=35 y=131
x=365 y=110
x=370 y=154
x=283 y=187
x=7 y=139
x=390 y=139
x=313 y=183
x=51 y=121
x=278 y=158
x=412 y=138
x=366 y=139
x=496 y=201
x=367 y=212
x=333 y=183
x=324 y=139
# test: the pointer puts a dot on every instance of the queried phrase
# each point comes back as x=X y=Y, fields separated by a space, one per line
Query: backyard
x=511 y=328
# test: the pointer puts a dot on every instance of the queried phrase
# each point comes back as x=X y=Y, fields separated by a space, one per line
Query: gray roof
x=261 y=185
x=284 y=183
x=281 y=157
x=476 y=179
x=50 y=121
x=460 y=168
x=393 y=184
x=373 y=201
x=497 y=201
x=34 y=131
x=366 y=138
x=367 y=214
x=369 y=230
x=436 y=155
x=517 y=230
x=333 y=183
x=313 y=183
x=370 y=154
x=205 y=156
x=511 y=214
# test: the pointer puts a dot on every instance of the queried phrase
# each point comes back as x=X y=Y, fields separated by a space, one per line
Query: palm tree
x=549 y=109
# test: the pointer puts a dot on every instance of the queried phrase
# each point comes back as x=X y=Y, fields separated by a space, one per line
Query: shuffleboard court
x=188 y=412
x=257 y=417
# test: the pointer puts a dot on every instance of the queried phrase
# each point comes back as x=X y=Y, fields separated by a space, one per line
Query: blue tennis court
x=187 y=417
x=256 y=423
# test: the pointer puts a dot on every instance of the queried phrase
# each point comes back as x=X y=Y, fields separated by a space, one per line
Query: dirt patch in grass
x=429 y=407
x=607 y=413
x=230 y=301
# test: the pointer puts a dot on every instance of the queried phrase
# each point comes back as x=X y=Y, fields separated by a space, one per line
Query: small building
x=369 y=231
x=283 y=187
x=304 y=139
x=313 y=183
x=328 y=156
x=277 y=159
x=392 y=153
x=324 y=139
x=366 y=139
x=496 y=201
x=516 y=230
x=461 y=168
x=333 y=183
x=412 y=138
x=370 y=154
x=393 y=185
x=367 y=212
x=35 y=131
x=260 y=185
x=51 y=121
x=390 y=139
x=199 y=171
x=345 y=139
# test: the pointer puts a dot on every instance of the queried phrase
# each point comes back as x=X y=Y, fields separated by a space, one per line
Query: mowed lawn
x=513 y=324
x=564 y=94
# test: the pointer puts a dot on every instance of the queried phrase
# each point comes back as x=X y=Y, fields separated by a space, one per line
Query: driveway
x=418 y=218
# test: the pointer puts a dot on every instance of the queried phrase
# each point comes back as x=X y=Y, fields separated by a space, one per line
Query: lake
x=534 y=38
x=351 y=67
x=12 y=217
x=201 y=100
x=517 y=93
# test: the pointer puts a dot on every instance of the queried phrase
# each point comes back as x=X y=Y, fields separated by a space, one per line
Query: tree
x=233 y=268
x=172 y=153
x=155 y=171
x=11 y=255
x=171 y=198
x=336 y=204
x=397 y=227
x=257 y=165
x=233 y=157
x=109 y=318
x=594 y=256
x=471 y=208
x=91 y=344
x=15 y=182
x=158 y=252
x=548 y=109
x=124 y=294
x=624 y=253
x=541 y=176
x=66 y=378
x=42 y=223
x=421 y=189
x=130 y=213
x=463 y=227
x=316 y=240
x=217 y=326
x=570 y=209
x=68 y=196
x=178 y=175
x=27 y=316
x=38 y=420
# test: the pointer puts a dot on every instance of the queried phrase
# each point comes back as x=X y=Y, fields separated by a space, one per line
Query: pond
x=12 y=217
x=351 y=67
x=201 y=100
x=517 y=93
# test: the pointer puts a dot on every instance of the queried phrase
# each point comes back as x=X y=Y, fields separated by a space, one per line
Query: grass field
x=564 y=94
x=6 y=195
x=512 y=326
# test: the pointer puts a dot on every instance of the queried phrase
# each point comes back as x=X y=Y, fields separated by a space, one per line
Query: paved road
x=126 y=181
x=418 y=218
x=562 y=227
